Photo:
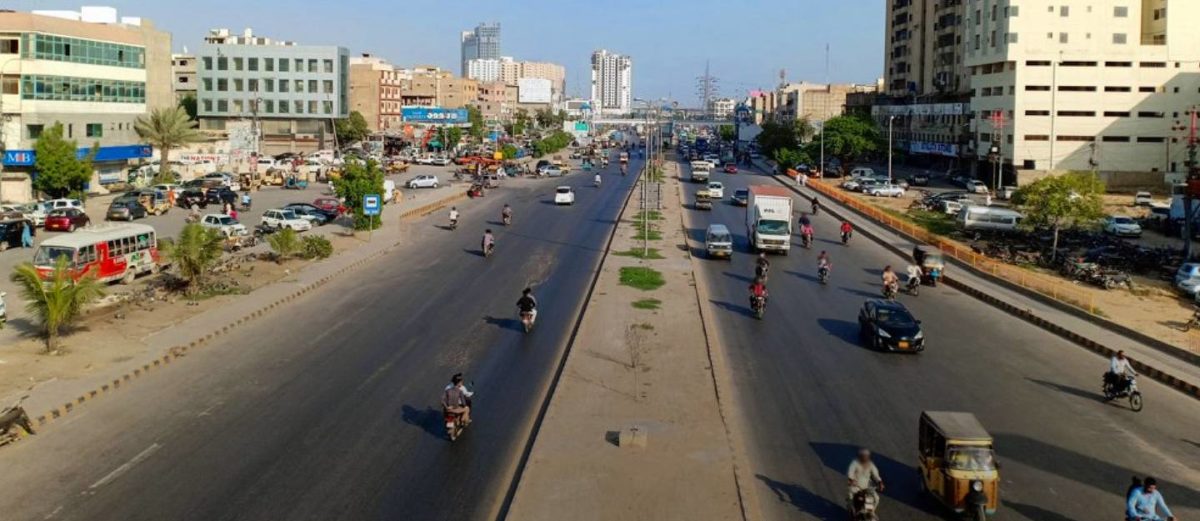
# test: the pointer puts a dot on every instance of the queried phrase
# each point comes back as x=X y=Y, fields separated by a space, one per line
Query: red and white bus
x=108 y=252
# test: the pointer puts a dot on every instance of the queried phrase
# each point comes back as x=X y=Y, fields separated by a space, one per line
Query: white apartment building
x=612 y=83
x=1083 y=84
x=485 y=70
x=721 y=108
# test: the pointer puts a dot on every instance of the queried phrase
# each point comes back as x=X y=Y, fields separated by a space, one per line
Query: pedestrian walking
x=171 y=196
x=803 y=179
x=26 y=235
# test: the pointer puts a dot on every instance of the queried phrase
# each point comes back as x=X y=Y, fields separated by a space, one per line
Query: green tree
x=194 y=253
x=165 y=129
x=544 y=118
x=315 y=247
x=352 y=128
x=60 y=171
x=849 y=138
x=1057 y=201
x=284 y=244
x=57 y=300
x=475 y=118
x=803 y=129
x=358 y=180
x=727 y=132
x=776 y=136
x=188 y=103
x=786 y=158
x=520 y=122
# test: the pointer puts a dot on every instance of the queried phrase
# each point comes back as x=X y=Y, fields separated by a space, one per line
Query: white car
x=58 y=204
x=564 y=195
x=1143 y=199
x=228 y=226
x=34 y=212
x=228 y=180
x=886 y=190
x=976 y=186
x=716 y=190
x=169 y=187
x=1122 y=226
x=552 y=171
x=440 y=161
x=423 y=181
x=279 y=219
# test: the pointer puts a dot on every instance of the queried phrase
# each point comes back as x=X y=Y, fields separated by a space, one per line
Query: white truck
x=769 y=218
x=700 y=171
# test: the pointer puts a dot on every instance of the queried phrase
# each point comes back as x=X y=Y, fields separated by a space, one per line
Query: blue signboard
x=119 y=153
x=371 y=204
x=433 y=115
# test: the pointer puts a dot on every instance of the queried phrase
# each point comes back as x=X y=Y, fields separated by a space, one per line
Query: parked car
x=423 y=181
x=852 y=184
x=887 y=325
x=228 y=226
x=226 y=179
x=307 y=211
x=741 y=197
x=126 y=208
x=1158 y=217
x=68 y=219
x=220 y=196
x=331 y=205
x=552 y=171
x=192 y=196
x=1187 y=278
x=10 y=232
x=976 y=186
x=918 y=180
x=1143 y=199
x=34 y=213
x=1122 y=226
x=564 y=195
x=56 y=204
x=716 y=190
x=440 y=161
x=865 y=185
x=278 y=219
x=886 y=190
x=862 y=171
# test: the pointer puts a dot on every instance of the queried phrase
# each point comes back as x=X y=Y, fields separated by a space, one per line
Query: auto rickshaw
x=703 y=200
x=476 y=190
x=296 y=183
x=931 y=262
x=957 y=463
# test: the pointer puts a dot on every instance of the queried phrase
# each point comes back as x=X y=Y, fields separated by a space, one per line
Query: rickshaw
x=296 y=183
x=476 y=190
x=931 y=262
x=957 y=463
x=703 y=200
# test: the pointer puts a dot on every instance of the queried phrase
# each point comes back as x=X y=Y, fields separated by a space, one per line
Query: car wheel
x=71 y=227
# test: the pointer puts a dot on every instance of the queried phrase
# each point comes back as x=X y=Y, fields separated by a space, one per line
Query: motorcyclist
x=816 y=206
x=453 y=216
x=890 y=280
x=758 y=289
x=489 y=241
x=528 y=304
x=506 y=214
x=863 y=475
x=823 y=263
x=914 y=275
x=1145 y=502
x=246 y=200
x=806 y=233
x=456 y=399
x=761 y=265
x=1119 y=372
x=597 y=179
x=847 y=230
x=804 y=219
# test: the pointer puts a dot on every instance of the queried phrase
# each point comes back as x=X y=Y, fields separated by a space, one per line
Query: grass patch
x=646 y=232
x=933 y=222
x=654 y=174
x=647 y=303
x=650 y=254
x=650 y=215
x=641 y=278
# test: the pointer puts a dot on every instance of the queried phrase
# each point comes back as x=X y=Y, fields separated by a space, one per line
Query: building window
x=327 y=86
x=269 y=64
x=222 y=63
x=1153 y=65
x=312 y=85
x=1037 y=63
x=1077 y=113
x=1120 y=11
x=328 y=66
x=1149 y=114
x=1115 y=139
x=1116 y=114
x=283 y=84
x=1118 y=64
x=222 y=105
x=238 y=85
x=34 y=131
x=1076 y=88
x=1062 y=38
x=312 y=65
x=12 y=85
x=95 y=130
x=283 y=65
x=269 y=84
x=68 y=88
x=1075 y=138
x=1119 y=38
x=237 y=63
x=298 y=106
x=299 y=85
x=1037 y=88
x=92 y=52
x=312 y=106
x=327 y=107
x=283 y=104
x=1064 y=11
x=1037 y=137
x=207 y=105
x=252 y=64
x=222 y=85
x=298 y=65
x=1147 y=89
x=269 y=106
x=10 y=46
x=977 y=42
x=208 y=63
x=1037 y=112
x=1146 y=139
x=238 y=107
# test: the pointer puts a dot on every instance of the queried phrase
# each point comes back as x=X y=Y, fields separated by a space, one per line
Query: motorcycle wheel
x=980 y=513
x=1135 y=401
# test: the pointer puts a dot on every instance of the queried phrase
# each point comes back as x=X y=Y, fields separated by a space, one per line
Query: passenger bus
x=107 y=252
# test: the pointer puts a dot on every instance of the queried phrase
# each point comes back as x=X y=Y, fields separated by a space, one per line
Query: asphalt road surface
x=811 y=395
x=328 y=409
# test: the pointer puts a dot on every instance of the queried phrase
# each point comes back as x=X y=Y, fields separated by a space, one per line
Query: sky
x=745 y=42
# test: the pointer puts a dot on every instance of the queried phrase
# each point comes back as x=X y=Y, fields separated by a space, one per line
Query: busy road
x=329 y=408
x=809 y=394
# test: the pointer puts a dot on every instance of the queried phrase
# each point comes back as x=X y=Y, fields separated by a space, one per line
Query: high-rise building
x=292 y=92
x=485 y=69
x=482 y=43
x=612 y=83
x=92 y=72
x=1101 y=85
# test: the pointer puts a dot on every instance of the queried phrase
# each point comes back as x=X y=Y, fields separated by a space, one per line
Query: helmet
x=457 y=378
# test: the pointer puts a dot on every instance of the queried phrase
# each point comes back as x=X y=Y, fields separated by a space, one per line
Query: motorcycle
x=823 y=274
x=453 y=224
x=1130 y=391
x=913 y=287
x=507 y=219
x=527 y=319
x=889 y=291
x=454 y=423
x=14 y=423
x=815 y=208
x=1192 y=322
x=760 y=271
x=597 y=181
x=845 y=238
x=488 y=248
x=806 y=240
x=863 y=506
x=758 y=305
x=976 y=502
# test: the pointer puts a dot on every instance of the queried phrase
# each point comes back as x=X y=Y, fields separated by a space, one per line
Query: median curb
x=1187 y=388
x=178 y=351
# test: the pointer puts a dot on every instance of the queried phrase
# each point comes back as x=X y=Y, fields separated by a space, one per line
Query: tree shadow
x=1066 y=389
x=843 y=329
x=1084 y=469
x=25 y=327
x=903 y=481
x=505 y=323
x=741 y=310
x=429 y=420
x=804 y=500
x=1033 y=512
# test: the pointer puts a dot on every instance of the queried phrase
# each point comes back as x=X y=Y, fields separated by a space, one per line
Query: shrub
x=284 y=243
x=315 y=247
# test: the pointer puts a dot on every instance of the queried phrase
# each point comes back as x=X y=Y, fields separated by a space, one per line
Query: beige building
x=496 y=101
x=376 y=92
x=183 y=72
x=1101 y=85
x=923 y=47
x=815 y=102
x=762 y=105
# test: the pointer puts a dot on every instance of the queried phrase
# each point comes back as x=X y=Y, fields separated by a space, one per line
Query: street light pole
x=890 y=120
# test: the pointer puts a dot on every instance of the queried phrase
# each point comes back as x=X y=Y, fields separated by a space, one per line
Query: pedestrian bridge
x=642 y=121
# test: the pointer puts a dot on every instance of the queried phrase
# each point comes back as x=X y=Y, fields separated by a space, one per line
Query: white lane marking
x=117 y=472
x=54 y=513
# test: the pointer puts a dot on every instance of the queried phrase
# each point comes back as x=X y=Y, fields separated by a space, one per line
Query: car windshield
x=741 y=193
x=768 y=227
x=564 y=190
x=1122 y=220
x=894 y=317
x=48 y=255
x=287 y=214
x=720 y=237
x=226 y=220
x=58 y=213
x=973 y=459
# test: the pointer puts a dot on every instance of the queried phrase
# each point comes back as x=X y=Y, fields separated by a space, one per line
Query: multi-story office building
x=183 y=72
x=612 y=83
x=376 y=92
x=484 y=70
x=926 y=85
x=762 y=104
x=497 y=101
x=1097 y=85
x=482 y=43
x=292 y=92
x=90 y=71
x=721 y=108
x=815 y=102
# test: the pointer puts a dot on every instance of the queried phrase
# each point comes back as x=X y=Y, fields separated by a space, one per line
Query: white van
x=718 y=242
x=973 y=217
x=863 y=171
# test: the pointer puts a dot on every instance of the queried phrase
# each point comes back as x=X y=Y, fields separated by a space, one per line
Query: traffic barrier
x=1055 y=289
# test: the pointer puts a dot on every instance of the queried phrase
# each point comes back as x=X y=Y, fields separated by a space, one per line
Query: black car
x=322 y=217
x=192 y=196
x=220 y=196
x=10 y=232
x=918 y=180
x=126 y=209
x=887 y=325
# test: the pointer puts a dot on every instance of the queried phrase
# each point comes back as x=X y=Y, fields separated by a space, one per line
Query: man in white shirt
x=1119 y=369
x=863 y=475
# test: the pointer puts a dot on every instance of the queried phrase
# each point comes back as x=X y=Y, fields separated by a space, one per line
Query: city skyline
x=549 y=31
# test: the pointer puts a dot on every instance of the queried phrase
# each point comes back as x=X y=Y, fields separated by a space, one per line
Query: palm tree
x=167 y=128
x=284 y=243
x=57 y=300
x=197 y=249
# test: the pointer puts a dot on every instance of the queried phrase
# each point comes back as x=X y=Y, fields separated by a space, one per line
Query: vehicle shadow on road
x=1066 y=389
x=429 y=419
x=861 y=293
x=736 y=276
x=843 y=329
x=505 y=323
x=473 y=251
x=805 y=276
x=741 y=310
x=1033 y=512
x=903 y=481
x=803 y=499
x=1084 y=469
